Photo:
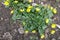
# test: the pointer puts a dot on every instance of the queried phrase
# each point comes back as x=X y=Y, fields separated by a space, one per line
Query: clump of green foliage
x=31 y=17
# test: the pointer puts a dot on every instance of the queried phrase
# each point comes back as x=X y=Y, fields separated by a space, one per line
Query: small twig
x=58 y=25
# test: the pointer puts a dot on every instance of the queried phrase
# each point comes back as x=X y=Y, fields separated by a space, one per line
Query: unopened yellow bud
x=47 y=20
x=34 y=31
x=42 y=36
x=12 y=11
x=53 y=25
x=26 y=31
x=52 y=31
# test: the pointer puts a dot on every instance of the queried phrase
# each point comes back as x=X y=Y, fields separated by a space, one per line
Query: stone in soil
x=21 y=30
x=7 y=36
x=53 y=39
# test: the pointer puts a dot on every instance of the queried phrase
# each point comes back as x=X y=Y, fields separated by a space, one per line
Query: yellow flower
x=30 y=0
x=34 y=31
x=26 y=31
x=54 y=11
x=37 y=9
x=15 y=1
x=6 y=3
x=42 y=36
x=28 y=10
x=21 y=10
x=30 y=7
x=47 y=20
x=52 y=31
x=12 y=11
x=53 y=25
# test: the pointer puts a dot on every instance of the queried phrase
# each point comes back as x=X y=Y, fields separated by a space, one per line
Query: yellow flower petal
x=53 y=25
x=54 y=11
x=37 y=9
x=42 y=36
x=26 y=31
x=34 y=31
x=30 y=6
x=28 y=10
x=6 y=3
x=47 y=20
x=52 y=31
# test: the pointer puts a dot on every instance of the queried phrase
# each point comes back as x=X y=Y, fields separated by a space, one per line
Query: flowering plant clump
x=32 y=18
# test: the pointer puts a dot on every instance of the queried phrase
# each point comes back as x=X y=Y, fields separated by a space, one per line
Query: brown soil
x=6 y=25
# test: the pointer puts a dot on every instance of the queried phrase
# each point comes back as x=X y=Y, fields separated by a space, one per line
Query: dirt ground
x=9 y=29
